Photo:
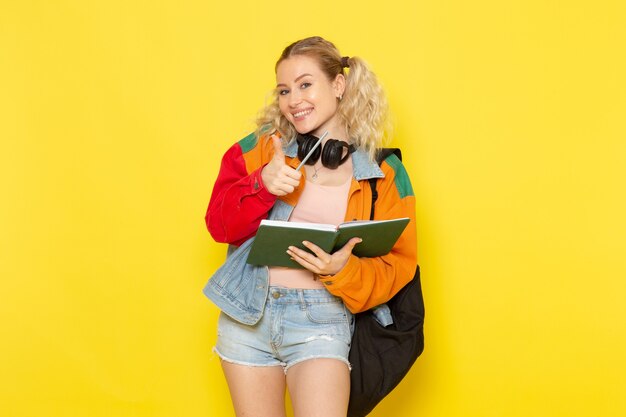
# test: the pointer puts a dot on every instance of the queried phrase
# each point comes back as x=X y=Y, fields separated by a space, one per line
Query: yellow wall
x=113 y=118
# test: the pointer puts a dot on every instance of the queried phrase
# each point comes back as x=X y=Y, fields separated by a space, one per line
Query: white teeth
x=302 y=113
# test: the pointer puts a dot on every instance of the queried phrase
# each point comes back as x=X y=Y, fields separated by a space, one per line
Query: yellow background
x=113 y=119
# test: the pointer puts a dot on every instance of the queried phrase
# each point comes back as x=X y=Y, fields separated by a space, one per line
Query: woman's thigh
x=319 y=388
x=257 y=391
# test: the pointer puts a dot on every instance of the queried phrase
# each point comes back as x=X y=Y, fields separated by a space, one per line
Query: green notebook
x=274 y=237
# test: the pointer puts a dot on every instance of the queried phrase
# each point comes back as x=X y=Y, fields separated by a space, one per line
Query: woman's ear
x=339 y=85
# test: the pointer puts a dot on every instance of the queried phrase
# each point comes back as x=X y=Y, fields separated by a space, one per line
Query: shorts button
x=276 y=294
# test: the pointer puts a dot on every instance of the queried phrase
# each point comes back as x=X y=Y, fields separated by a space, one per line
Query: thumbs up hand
x=278 y=177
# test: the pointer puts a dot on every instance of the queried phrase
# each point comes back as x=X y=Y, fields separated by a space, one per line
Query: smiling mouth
x=302 y=113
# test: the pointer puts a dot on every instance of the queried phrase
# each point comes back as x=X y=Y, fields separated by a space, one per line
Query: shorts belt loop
x=301 y=299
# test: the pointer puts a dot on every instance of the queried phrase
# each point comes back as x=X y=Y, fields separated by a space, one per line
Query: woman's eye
x=305 y=85
x=283 y=92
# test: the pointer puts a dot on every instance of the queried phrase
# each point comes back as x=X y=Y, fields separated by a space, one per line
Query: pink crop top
x=317 y=204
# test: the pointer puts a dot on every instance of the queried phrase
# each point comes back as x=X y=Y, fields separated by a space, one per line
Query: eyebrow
x=296 y=80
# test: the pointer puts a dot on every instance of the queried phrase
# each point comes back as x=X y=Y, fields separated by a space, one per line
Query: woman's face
x=306 y=97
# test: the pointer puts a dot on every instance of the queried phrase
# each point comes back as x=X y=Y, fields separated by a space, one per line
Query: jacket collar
x=362 y=167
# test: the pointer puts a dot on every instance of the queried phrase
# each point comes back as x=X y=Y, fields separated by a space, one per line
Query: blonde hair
x=363 y=108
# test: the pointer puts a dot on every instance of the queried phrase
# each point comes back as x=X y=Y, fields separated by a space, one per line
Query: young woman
x=284 y=328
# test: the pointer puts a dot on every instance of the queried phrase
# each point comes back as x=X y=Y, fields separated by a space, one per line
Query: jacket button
x=276 y=294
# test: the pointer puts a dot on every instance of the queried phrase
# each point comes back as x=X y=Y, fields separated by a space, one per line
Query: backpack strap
x=381 y=155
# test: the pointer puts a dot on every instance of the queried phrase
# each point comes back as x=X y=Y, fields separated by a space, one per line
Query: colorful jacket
x=239 y=202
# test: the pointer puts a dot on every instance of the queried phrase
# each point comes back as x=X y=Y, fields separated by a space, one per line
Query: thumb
x=348 y=247
x=278 y=148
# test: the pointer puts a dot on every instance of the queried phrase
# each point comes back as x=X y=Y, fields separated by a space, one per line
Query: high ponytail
x=364 y=107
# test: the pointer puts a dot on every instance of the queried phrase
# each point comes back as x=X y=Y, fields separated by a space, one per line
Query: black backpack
x=382 y=356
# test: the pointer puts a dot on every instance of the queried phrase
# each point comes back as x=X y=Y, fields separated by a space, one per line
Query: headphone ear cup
x=305 y=143
x=332 y=155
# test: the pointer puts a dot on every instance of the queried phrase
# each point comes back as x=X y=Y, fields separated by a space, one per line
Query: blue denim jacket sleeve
x=238 y=288
x=382 y=314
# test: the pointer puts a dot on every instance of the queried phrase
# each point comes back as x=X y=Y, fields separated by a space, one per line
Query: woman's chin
x=303 y=130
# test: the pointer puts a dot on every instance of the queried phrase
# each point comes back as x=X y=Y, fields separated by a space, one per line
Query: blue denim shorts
x=297 y=325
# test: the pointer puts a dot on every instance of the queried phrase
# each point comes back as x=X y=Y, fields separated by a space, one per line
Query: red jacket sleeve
x=239 y=200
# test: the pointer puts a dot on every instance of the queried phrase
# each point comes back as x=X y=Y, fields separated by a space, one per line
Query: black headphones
x=332 y=152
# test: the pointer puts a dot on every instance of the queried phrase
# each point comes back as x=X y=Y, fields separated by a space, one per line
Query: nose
x=294 y=98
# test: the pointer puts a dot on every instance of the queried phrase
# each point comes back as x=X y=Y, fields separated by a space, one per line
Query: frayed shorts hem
x=307 y=358
x=238 y=362
x=284 y=365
